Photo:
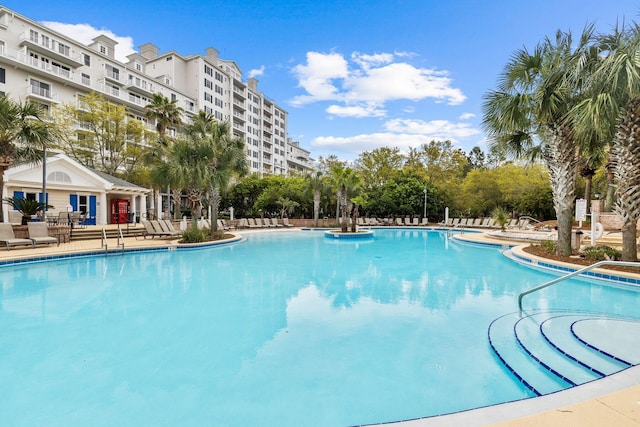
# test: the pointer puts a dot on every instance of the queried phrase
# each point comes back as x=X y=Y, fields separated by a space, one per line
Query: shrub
x=601 y=253
x=194 y=235
x=549 y=246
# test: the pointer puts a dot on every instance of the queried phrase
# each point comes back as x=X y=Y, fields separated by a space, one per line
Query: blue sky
x=353 y=75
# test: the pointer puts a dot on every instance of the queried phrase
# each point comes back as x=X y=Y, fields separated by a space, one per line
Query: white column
x=143 y=206
x=103 y=209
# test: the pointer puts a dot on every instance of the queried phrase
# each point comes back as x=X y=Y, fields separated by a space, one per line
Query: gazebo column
x=103 y=209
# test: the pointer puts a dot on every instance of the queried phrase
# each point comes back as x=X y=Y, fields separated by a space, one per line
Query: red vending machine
x=119 y=211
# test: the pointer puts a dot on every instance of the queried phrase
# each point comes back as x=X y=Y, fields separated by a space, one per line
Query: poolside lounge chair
x=154 y=229
x=39 y=234
x=274 y=222
x=477 y=222
x=415 y=222
x=455 y=222
x=285 y=221
x=399 y=222
x=167 y=227
x=512 y=224
x=8 y=237
x=425 y=222
x=485 y=223
x=221 y=226
x=242 y=223
x=252 y=223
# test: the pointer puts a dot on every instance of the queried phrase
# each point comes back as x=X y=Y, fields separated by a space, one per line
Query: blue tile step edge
x=524 y=369
x=528 y=335
x=556 y=329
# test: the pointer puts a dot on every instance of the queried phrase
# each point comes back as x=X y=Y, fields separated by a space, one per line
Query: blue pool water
x=285 y=329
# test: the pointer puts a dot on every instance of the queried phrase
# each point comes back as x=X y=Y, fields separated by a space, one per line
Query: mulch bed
x=539 y=251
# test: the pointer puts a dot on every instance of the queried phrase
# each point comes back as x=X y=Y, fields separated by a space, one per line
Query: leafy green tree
x=24 y=134
x=108 y=140
x=378 y=166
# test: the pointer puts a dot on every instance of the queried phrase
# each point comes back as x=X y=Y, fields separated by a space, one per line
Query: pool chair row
x=470 y=222
x=263 y=223
x=160 y=228
x=38 y=234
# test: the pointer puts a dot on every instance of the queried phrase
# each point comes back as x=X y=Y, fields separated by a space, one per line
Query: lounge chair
x=252 y=223
x=512 y=224
x=39 y=234
x=455 y=222
x=221 y=225
x=167 y=226
x=275 y=223
x=425 y=222
x=399 y=222
x=242 y=223
x=361 y=222
x=285 y=221
x=477 y=222
x=154 y=229
x=415 y=222
x=8 y=237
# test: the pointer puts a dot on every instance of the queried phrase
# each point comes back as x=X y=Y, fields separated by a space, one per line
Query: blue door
x=91 y=217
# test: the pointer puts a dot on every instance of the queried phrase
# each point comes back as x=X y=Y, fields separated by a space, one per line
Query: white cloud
x=356 y=111
x=399 y=133
x=467 y=116
x=316 y=77
x=85 y=33
x=257 y=73
x=434 y=129
x=370 y=80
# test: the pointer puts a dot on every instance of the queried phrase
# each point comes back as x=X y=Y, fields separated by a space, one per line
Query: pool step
x=551 y=350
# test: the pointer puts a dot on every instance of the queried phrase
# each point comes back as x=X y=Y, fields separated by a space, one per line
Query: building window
x=2 y=76
x=41 y=89
x=103 y=49
x=87 y=59
x=58 y=177
x=112 y=72
x=64 y=49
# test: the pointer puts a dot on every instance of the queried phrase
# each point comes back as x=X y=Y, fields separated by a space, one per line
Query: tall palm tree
x=24 y=135
x=611 y=112
x=315 y=183
x=166 y=114
x=526 y=117
x=225 y=160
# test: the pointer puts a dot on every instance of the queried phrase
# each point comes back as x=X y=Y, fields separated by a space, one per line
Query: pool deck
x=612 y=401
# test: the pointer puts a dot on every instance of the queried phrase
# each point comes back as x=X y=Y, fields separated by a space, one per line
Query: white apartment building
x=218 y=89
x=299 y=161
x=46 y=67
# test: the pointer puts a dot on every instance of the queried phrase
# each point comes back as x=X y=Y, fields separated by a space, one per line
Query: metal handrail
x=574 y=273
x=120 y=240
x=530 y=218
x=105 y=243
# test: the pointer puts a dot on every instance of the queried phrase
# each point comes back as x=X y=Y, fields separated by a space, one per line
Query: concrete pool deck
x=611 y=401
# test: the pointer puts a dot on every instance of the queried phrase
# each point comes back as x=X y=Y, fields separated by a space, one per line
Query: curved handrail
x=530 y=218
x=574 y=273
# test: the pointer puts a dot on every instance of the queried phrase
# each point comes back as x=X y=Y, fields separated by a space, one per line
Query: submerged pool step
x=551 y=350
x=528 y=334
x=556 y=329
x=530 y=373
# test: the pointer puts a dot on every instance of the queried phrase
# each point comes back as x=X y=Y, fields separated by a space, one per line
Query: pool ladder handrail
x=572 y=274
x=105 y=242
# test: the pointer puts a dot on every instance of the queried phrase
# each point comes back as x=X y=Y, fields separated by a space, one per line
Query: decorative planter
x=338 y=234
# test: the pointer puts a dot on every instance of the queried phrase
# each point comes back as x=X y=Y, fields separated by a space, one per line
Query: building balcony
x=140 y=86
x=112 y=77
x=52 y=49
x=239 y=104
x=42 y=94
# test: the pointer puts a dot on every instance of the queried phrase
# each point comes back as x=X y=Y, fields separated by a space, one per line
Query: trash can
x=576 y=240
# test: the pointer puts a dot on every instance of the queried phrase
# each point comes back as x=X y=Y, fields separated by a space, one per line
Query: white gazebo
x=71 y=186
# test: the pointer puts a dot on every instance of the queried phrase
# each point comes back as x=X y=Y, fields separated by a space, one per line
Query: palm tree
x=611 y=112
x=23 y=136
x=225 y=160
x=526 y=117
x=165 y=113
x=315 y=183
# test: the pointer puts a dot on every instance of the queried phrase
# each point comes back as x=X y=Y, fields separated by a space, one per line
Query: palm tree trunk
x=2 y=170
x=343 y=207
x=608 y=201
x=626 y=149
x=316 y=207
x=216 y=199
x=562 y=165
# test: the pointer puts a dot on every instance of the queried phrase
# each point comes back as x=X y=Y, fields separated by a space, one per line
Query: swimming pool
x=288 y=328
